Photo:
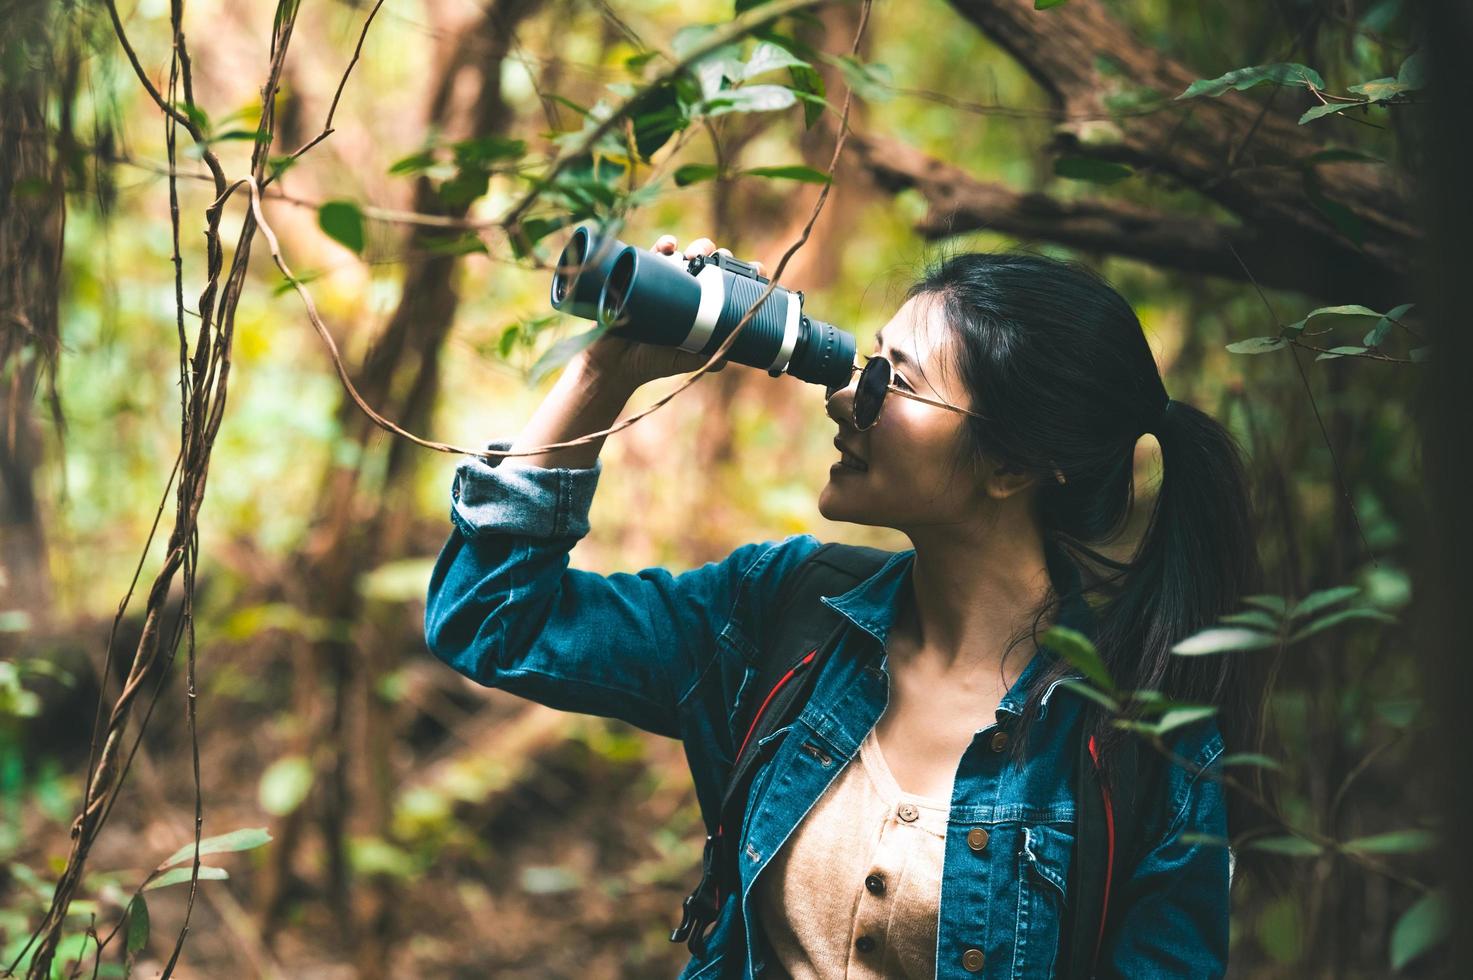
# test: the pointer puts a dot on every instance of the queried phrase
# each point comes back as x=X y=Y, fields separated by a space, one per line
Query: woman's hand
x=631 y=362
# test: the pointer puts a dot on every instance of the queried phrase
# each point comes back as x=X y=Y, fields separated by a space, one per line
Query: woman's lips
x=850 y=464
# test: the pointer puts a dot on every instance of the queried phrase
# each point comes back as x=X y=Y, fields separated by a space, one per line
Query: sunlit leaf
x=237 y=840
x=1092 y=170
x=1093 y=693
x=285 y=784
x=792 y=172
x=1336 y=618
x=1219 y=639
x=177 y=875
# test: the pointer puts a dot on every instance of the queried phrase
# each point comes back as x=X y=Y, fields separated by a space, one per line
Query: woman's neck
x=970 y=592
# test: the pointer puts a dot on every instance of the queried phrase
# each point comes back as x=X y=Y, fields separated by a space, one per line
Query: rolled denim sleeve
x=1174 y=906
x=505 y=609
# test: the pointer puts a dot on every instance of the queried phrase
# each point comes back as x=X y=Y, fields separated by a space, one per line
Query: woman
x=917 y=819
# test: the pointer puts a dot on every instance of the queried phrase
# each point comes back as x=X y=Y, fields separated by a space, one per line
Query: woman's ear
x=1005 y=479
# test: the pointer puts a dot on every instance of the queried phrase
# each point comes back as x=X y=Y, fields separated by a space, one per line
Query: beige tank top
x=855 y=890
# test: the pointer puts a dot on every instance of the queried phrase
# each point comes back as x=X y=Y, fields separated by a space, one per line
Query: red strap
x=758 y=717
x=1094 y=753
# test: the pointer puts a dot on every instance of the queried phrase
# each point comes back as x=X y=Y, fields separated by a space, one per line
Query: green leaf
x=1093 y=693
x=693 y=173
x=807 y=85
x=174 y=877
x=1393 y=842
x=792 y=172
x=1413 y=74
x=414 y=163
x=1257 y=345
x=1329 y=108
x=1048 y=4
x=767 y=57
x=1297 y=327
x=1420 y=928
x=137 y=925
x=1399 y=712
x=1286 y=844
x=242 y=135
x=1207 y=840
x=1314 y=602
x=1335 y=352
x=1079 y=653
x=1282 y=73
x=480 y=151
x=1223 y=639
x=285 y=784
x=237 y=840
x=1419 y=354
x=1273 y=603
x=1383 y=326
x=1336 y=618
x=1091 y=169
x=1256 y=618
x=752 y=98
x=657 y=115
x=195 y=115
x=466 y=186
x=1181 y=717
x=1377 y=89
x=1250 y=759
x=343 y=223
x=635 y=63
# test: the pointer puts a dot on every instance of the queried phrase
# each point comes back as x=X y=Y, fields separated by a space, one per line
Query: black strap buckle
x=698 y=912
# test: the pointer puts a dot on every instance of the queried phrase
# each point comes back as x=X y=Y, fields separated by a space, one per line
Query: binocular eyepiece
x=657 y=299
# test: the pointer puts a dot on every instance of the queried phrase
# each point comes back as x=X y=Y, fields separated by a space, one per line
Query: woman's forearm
x=584 y=399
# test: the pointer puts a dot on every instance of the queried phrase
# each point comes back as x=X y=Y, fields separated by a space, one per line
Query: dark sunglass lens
x=874 y=381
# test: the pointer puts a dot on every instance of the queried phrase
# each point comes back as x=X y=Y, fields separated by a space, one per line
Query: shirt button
x=976 y=838
x=999 y=741
x=907 y=812
x=875 y=883
x=864 y=944
x=972 y=960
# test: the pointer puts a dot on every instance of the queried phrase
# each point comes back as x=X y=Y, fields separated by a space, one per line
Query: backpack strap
x=804 y=634
x=1108 y=829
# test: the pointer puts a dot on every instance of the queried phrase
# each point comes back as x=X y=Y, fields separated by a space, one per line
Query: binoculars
x=642 y=295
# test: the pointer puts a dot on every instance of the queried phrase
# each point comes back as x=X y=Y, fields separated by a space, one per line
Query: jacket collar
x=871 y=606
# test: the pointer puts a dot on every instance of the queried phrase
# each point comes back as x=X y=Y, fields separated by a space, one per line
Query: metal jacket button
x=907 y=812
x=972 y=960
x=999 y=741
x=864 y=944
x=875 y=883
x=976 y=838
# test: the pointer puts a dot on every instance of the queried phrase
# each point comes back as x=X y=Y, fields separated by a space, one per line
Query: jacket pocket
x=1044 y=859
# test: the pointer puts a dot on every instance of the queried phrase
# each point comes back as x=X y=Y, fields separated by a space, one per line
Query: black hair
x=1057 y=363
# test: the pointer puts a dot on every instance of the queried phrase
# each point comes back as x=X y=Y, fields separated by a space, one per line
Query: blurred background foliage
x=423 y=826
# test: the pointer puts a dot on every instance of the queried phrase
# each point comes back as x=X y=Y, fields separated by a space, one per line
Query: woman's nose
x=839 y=404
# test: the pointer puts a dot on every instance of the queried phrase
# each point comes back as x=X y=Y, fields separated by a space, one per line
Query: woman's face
x=907 y=480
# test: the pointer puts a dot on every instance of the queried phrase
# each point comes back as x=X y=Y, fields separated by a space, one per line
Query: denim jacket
x=674 y=654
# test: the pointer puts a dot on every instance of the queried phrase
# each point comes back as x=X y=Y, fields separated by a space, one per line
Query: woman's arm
x=1173 y=909
x=505 y=609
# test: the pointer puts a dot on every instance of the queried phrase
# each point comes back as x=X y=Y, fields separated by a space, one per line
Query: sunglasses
x=874 y=383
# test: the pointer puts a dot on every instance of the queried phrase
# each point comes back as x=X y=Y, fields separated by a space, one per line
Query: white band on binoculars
x=790 y=334
x=713 y=299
